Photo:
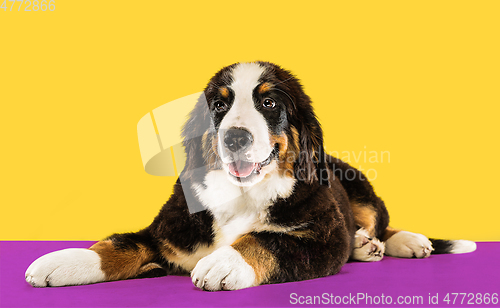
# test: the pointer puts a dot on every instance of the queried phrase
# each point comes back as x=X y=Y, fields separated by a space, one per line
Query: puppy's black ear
x=311 y=165
x=193 y=132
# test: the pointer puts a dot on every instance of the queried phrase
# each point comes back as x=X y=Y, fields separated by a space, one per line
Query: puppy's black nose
x=237 y=139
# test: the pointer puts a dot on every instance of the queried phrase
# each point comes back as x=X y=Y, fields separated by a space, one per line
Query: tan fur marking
x=260 y=259
x=184 y=260
x=148 y=267
x=215 y=142
x=266 y=86
x=286 y=157
x=302 y=233
x=224 y=92
x=209 y=150
x=292 y=153
x=282 y=140
x=265 y=226
x=120 y=264
x=167 y=250
x=364 y=216
x=389 y=231
x=296 y=139
x=213 y=158
x=204 y=140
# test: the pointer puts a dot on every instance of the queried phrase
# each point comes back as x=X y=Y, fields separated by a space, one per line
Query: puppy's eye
x=269 y=103
x=220 y=106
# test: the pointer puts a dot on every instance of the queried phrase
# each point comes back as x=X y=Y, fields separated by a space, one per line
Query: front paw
x=224 y=269
x=406 y=244
x=73 y=266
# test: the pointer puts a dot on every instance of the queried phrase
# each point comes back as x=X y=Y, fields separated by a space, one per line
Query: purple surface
x=476 y=272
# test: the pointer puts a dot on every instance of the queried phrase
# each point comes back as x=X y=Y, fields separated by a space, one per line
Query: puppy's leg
x=366 y=246
x=268 y=257
x=370 y=213
x=73 y=266
x=242 y=265
x=404 y=244
x=369 y=210
x=121 y=256
x=407 y=245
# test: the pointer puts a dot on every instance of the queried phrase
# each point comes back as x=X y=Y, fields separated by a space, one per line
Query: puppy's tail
x=455 y=246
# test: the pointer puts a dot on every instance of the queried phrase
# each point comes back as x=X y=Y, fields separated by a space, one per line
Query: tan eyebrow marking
x=266 y=86
x=224 y=92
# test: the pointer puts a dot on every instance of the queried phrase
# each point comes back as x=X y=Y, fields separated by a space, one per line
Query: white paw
x=65 y=267
x=406 y=244
x=367 y=248
x=223 y=269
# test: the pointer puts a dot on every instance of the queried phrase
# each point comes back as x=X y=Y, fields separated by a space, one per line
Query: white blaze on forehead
x=246 y=76
x=243 y=113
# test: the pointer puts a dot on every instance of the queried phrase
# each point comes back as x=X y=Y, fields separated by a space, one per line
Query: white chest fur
x=239 y=210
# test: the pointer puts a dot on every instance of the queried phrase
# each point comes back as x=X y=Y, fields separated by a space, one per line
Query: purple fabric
x=476 y=272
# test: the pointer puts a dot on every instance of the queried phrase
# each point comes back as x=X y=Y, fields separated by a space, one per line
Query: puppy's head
x=254 y=120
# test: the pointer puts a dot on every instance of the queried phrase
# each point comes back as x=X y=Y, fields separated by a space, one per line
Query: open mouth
x=243 y=169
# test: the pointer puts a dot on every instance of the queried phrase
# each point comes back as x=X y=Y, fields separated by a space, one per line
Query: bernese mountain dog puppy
x=277 y=208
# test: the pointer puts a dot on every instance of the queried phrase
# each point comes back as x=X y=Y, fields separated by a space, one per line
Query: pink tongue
x=241 y=169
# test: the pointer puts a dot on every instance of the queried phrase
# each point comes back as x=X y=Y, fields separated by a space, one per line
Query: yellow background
x=417 y=78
